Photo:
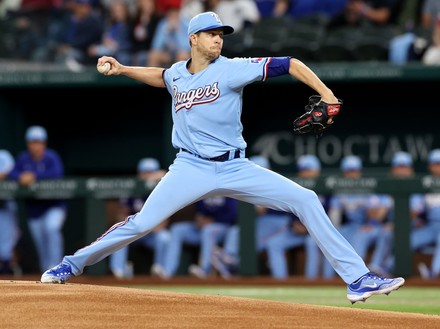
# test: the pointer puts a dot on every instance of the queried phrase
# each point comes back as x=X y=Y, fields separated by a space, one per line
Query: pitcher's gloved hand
x=318 y=117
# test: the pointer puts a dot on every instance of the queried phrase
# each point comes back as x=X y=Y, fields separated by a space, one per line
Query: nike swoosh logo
x=175 y=79
x=371 y=285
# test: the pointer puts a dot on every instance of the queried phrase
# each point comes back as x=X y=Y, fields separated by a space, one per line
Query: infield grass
x=425 y=300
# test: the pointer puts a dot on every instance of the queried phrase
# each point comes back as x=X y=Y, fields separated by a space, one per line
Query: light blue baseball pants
x=190 y=179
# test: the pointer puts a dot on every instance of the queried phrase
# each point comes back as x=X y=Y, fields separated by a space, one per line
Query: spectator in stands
x=413 y=43
x=149 y=171
x=45 y=216
x=191 y=8
x=79 y=27
x=32 y=20
x=239 y=14
x=8 y=7
x=427 y=234
x=430 y=14
x=361 y=12
x=432 y=53
x=346 y=211
x=9 y=229
x=303 y=8
x=162 y=6
x=214 y=216
x=142 y=30
x=272 y=8
x=170 y=41
x=115 y=40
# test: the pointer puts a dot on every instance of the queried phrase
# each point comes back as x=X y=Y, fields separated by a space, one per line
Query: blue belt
x=221 y=158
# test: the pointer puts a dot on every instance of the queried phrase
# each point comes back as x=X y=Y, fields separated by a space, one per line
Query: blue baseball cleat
x=58 y=274
x=371 y=284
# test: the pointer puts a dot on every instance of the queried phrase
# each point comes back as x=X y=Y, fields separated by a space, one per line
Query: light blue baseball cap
x=36 y=133
x=434 y=156
x=6 y=162
x=402 y=158
x=351 y=162
x=207 y=21
x=308 y=162
x=148 y=165
x=260 y=160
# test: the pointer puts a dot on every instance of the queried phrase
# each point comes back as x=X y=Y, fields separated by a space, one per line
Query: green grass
x=425 y=300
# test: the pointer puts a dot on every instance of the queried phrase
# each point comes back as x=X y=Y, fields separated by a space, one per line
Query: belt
x=221 y=158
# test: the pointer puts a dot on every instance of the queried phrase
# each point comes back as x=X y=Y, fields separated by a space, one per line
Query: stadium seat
x=298 y=48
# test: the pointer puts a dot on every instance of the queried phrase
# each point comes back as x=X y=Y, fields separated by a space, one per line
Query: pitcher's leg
x=269 y=189
x=182 y=185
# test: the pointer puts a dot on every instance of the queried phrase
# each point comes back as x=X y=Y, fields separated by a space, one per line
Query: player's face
x=352 y=174
x=309 y=173
x=434 y=168
x=402 y=171
x=36 y=149
x=210 y=43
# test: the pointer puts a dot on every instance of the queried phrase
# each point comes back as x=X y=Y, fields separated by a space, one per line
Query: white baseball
x=104 y=68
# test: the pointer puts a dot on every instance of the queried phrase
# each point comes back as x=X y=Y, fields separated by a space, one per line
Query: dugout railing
x=93 y=192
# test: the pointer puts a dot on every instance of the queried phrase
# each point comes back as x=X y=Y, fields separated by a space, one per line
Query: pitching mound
x=27 y=304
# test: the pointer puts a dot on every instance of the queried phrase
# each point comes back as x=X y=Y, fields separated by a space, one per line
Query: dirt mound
x=31 y=304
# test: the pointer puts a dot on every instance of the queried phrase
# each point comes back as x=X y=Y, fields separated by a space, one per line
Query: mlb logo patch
x=256 y=60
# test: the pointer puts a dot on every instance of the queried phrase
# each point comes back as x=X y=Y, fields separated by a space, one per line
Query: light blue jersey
x=206 y=106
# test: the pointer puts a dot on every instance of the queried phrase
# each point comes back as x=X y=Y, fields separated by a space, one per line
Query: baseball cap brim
x=226 y=29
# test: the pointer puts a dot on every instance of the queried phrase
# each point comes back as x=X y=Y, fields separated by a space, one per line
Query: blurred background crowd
x=154 y=32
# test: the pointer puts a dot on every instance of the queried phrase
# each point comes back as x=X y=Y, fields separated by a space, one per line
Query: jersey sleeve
x=244 y=71
x=248 y=70
x=166 y=76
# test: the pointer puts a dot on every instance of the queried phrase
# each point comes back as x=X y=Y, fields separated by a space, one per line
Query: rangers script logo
x=201 y=95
